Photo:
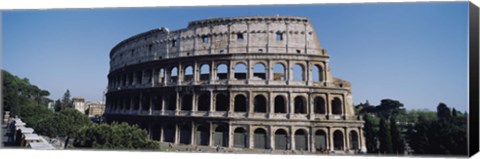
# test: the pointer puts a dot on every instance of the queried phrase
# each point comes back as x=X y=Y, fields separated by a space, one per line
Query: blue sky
x=412 y=52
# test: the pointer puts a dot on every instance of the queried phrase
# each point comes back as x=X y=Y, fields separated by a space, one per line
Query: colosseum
x=241 y=83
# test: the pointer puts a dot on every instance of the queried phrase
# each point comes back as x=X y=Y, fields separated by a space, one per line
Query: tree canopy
x=115 y=136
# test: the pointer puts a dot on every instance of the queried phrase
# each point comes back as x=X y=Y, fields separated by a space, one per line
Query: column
x=177 y=135
x=210 y=132
x=192 y=134
x=230 y=135
x=292 y=138
x=271 y=137
x=346 y=138
x=250 y=137
x=330 y=134
x=311 y=106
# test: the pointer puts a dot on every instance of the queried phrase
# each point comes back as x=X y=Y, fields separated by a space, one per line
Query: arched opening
x=260 y=104
x=157 y=102
x=240 y=138
x=259 y=71
x=172 y=102
x=173 y=75
x=298 y=72
x=148 y=76
x=205 y=72
x=185 y=134
x=281 y=140
x=204 y=102
x=319 y=105
x=136 y=103
x=280 y=105
x=222 y=72
x=139 y=77
x=169 y=133
x=336 y=106
x=240 y=71
x=300 y=105
x=146 y=103
x=260 y=138
x=156 y=131
x=320 y=140
x=130 y=79
x=187 y=102
x=127 y=104
x=338 y=140
x=353 y=140
x=279 y=72
x=301 y=140
x=221 y=103
x=188 y=73
x=240 y=103
x=220 y=136
x=317 y=73
x=202 y=135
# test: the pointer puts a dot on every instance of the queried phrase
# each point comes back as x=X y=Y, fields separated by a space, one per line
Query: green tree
x=66 y=123
x=115 y=136
x=398 y=145
x=66 y=100
x=445 y=134
x=370 y=133
x=385 y=137
x=18 y=92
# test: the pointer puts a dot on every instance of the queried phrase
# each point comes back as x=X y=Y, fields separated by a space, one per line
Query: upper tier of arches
x=271 y=34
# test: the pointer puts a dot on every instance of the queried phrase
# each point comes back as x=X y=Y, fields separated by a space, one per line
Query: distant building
x=95 y=109
x=79 y=104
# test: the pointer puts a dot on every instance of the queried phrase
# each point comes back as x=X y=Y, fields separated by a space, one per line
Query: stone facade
x=240 y=83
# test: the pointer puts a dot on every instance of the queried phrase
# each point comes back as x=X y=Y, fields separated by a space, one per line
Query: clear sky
x=412 y=52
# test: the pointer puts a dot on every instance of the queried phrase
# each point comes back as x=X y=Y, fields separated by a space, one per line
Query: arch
x=156 y=132
x=260 y=138
x=259 y=72
x=138 y=77
x=260 y=104
x=202 y=135
x=172 y=102
x=185 y=134
x=240 y=104
x=319 y=105
x=157 y=102
x=222 y=71
x=317 y=73
x=187 y=102
x=298 y=72
x=136 y=104
x=205 y=72
x=336 y=106
x=300 y=105
x=240 y=71
x=169 y=133
x=301 y=140
x=173 y=74
x=204 y=102
x=320 y=140
x=240 y=138
x=279 y=72
x=220 y=136
x=221 y=103
x=353 y=137
x=146 y=103
x=338 y=140
x=281 y=140
x=280 y=104
x=188 y=75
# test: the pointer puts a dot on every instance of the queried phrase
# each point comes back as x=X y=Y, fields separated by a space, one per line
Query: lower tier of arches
x=279 y=135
